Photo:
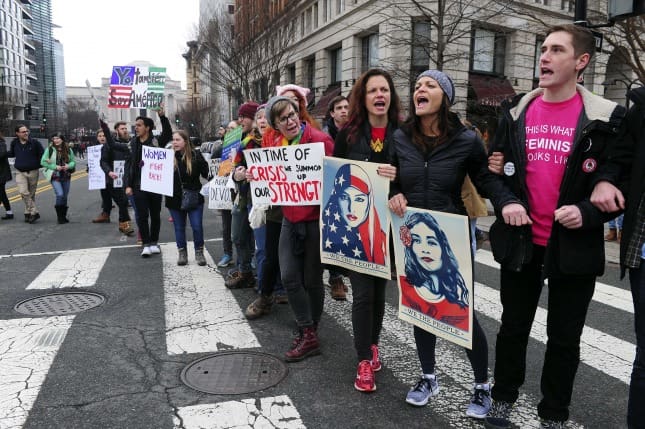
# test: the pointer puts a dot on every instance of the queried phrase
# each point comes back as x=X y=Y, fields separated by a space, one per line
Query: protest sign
x=95 y=175
x=119 y=168
x=434 y=273
x=230 y=146
x=139 y=87
x=157 y=170
x=219 y=195
x=286 y=175
x=355 y=220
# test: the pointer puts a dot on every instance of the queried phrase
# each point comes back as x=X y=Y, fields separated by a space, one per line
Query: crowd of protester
x=550 y=216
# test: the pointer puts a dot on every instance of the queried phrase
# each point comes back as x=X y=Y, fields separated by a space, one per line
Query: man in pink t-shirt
x=548 y=148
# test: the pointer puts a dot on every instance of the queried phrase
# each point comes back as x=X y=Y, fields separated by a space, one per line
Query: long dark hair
x=64 y=148
x=451 y=283
x=357 y=110
x=412 y=126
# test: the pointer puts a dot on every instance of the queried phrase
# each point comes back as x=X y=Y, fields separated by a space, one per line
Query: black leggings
x=3 y=196
x=368 y=309
x=271 y=265
x=478 y=356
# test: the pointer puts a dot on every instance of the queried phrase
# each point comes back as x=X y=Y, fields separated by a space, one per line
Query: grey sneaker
x=480 y=402
x=499 y=415
x=425 y=388
x=182 y=259
x=552 y=424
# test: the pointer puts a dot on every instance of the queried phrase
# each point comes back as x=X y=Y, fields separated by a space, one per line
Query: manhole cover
x=59 y=304
x=234 y=373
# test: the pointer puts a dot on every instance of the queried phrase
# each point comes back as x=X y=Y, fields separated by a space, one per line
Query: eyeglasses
x=293 y=116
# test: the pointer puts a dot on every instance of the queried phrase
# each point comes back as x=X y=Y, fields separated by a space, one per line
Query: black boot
x=59 y=214
x=64 y=210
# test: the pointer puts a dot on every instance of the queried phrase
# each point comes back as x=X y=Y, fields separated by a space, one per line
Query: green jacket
x=48 y=161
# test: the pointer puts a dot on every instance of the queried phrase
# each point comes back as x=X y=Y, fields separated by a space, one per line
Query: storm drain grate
x=59 y=304
x=234 y=373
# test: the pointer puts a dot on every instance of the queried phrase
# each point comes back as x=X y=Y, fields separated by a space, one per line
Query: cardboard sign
x=355 y=220
x=434 y=273
x=286 y=175
x=134 y=87
x=157 y=170
x=230 y=146
x=119 y=168
x=95 y=176
x=219 y=195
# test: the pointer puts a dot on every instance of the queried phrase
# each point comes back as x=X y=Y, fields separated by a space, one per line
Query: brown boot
x=307 y=345
x=126 y=228
x=259 y=307
x=242 y=281
x=338 y=289
x=612 y=235
x=102 y=218
x=619 y=235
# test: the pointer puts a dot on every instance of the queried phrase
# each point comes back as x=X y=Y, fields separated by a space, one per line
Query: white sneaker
x=154 y=249
x=146 y=252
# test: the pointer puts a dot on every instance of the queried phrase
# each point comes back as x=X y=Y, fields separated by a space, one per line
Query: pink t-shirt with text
x=550 y=131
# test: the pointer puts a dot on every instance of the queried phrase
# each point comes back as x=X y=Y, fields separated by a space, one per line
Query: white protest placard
x=95 y=176
x=119 y=167
x=286 y=175
x=219 y=194
x=157 y=170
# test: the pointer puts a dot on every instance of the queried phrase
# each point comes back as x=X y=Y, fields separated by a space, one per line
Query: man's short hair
x=332 y=104
x=582 y=38
x=147 y=122
x=20 y=126
x=118 y=124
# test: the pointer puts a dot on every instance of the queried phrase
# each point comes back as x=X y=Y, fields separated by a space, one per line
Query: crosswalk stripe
x=605 y=294
x=201 y=314
x=270 y=412
x=398 y=348
x=601 y=351
x=73 y=268
x=28 y=347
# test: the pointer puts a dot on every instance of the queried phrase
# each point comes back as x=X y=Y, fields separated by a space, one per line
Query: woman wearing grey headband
x=433 y=153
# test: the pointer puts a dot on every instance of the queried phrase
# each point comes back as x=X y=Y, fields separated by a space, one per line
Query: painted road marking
x=201 y=314
x=73 y=268
x=27 y=349
x=601 y=351
x=270 y=412
x=605 y=294
x=40 y=189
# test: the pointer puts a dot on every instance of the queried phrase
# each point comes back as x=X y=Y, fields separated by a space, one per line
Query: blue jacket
x=27 y=155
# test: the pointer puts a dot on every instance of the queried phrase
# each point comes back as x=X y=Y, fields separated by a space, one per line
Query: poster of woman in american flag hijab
x=355 y=221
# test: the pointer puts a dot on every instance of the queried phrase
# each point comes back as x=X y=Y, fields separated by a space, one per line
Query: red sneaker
x=376 y=361
x=364 y=381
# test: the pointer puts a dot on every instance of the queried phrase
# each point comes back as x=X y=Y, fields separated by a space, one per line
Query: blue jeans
x=242 y=235
x=61 y=189
x=616 y=223
x=260 y=255
x=635 y=409
x=179 y=222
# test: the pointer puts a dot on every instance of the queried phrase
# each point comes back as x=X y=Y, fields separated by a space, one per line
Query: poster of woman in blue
x=355 y=221
x=434 y=273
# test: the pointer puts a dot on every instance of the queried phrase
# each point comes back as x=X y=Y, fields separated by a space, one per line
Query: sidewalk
x=612 y=248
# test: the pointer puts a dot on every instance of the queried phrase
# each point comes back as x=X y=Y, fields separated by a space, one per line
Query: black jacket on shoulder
x=569 y=251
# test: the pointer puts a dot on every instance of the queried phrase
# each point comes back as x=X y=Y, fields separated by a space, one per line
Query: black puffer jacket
x=360 y=150
x=112 y=151
x=181 y=178
x=433 y=180
x=569 y=251
x=5 y=169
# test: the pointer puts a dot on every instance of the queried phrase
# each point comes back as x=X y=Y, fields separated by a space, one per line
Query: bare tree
x=627 y=38
x=80 y=115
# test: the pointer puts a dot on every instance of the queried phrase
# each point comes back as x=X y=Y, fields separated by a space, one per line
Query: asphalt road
x=118 y=365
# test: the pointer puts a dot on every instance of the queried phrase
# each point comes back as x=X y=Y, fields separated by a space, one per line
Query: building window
x=369 y=49
x=231 y=9
x=310 y=72
x=488 y=51
x=316 y=15
x=421 y=31
x=538 y=53
x=340 y=6
x=291 y=73
x=336 y=65
x=308 y=21
x=302 y=24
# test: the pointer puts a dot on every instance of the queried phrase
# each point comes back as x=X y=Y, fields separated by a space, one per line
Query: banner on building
x=286 y=175
x=136 y=87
